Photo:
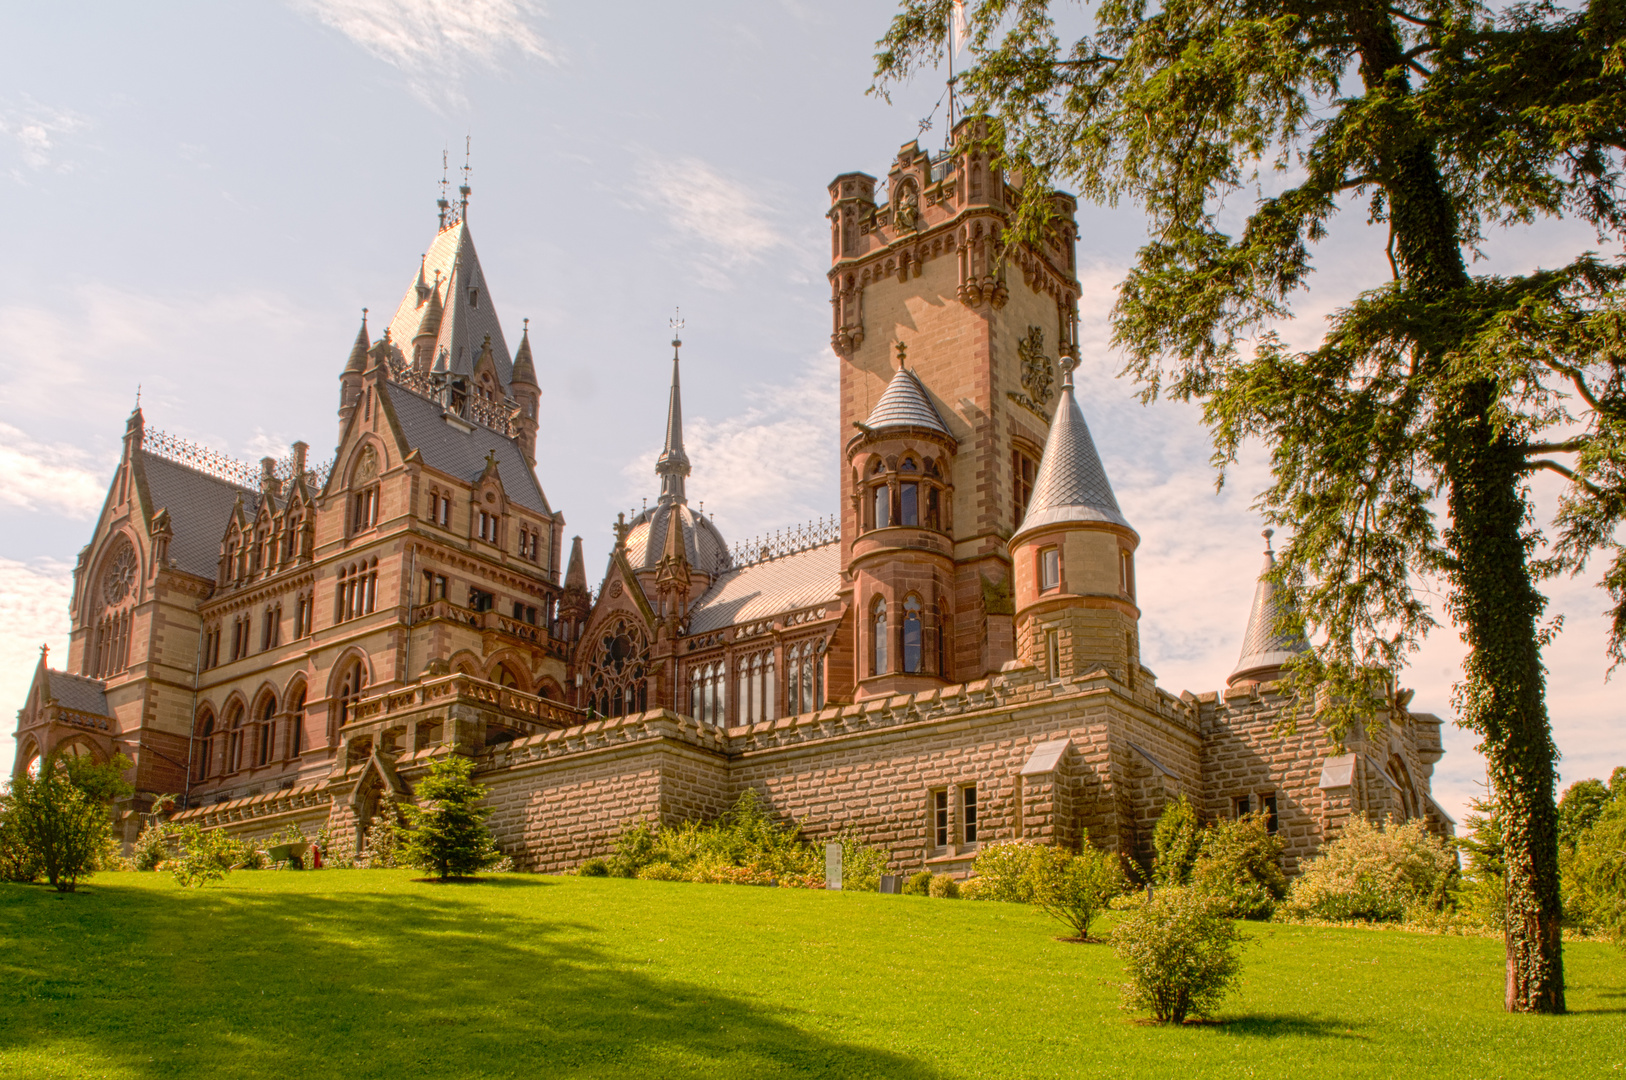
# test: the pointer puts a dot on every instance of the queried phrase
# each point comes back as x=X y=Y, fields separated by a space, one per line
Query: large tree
x=1403 y=444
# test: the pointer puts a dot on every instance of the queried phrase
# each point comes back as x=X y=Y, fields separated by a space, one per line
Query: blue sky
x=203 y=197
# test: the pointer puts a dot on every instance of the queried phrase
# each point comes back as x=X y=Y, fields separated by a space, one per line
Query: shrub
x=18 y=861
x=1239 y=868
x=861 y=863
x=1482 y=891
x=660 y=871
x=943 y=887
x=594 y=868
x=1177 y=841
x=1377 y=874
x=1005 y=870
x=919 y=884
x=448 y=834
x=152 y=846
x=382 y=848
x=200 y=856
x=1180 y=955
x=1595 y=873
x=61 y=815
x=1076 y=888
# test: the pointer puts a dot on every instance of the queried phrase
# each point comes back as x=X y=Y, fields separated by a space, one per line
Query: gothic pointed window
x=203 y=752
x=234 y=740
x=912 y=636
x=114 y=622
x=617 y=675
x=296 y=724
x=351 y=683
x=264 y=734
x=364 y=490
x=878 y=635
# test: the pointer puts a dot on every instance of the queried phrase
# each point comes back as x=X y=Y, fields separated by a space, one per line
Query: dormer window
x=487 y=526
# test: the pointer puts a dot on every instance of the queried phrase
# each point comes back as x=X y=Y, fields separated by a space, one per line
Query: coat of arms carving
x=1038 y=373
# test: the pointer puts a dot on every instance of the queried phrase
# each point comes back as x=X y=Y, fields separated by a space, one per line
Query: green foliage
x=1077 y=888
x=919 y=884
x=1389 y=873
x=382 y=849
x=594 y=868
x=1583 y=803
x=18 y=860
x=152 y=847
x=61 y=817
x=943 y=887
x=1177 y=841
x=446 y=831
x=1008 y=870
x=1594 y=865
x=745 y=845
x=1179 y=953
x=201 y=856
x=1240 y=868
x=1482 y=893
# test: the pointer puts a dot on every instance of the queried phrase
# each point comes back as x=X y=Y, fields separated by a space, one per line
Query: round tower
x=1073 y=559
x=902 y=561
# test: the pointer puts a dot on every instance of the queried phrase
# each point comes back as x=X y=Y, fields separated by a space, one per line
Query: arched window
x=503 y=677
x=878 y=632
x=617 y=683
x=296 y=724
x=234 y=740
x=944 y=638
x=263 y=734
x=804 y=678
x=364 y=491
x=912 y=637
x=203 y=752
x=708 y=699
x=351 y=684
x=882 y=499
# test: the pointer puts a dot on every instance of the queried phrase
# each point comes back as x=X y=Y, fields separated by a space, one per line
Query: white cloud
x=57 y=478
x=770 y=467
x=718 y=221
x=37 y=131
x=33 y=611
x=434 y=42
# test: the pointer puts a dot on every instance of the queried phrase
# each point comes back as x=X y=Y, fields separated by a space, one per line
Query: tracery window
x=708 y=700
x=357 y=591
x=910 y=498
x=757 y=693
x=912 y=636
x=878 y=635
x=351 y=684
x=616 y=677
x=115 y=596
x=804 y=677
x=364 y=491
x=234 y=740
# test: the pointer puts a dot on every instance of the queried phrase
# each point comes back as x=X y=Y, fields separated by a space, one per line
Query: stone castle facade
x=951 y=660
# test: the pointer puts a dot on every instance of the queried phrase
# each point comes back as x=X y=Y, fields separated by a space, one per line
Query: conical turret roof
x=576 y=569
x=904 y=403
x=1071 y=485
x=524 y=369
x=673 y=464
x=1265 y=649
x=358 y=352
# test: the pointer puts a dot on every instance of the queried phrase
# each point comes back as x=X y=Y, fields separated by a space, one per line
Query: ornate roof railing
x=498 y=416
x=787 y=541
x=224 y=466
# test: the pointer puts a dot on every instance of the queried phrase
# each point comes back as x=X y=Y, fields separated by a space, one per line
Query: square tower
x=982 y=323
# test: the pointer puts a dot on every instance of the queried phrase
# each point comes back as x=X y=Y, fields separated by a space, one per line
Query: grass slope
x=367 y=973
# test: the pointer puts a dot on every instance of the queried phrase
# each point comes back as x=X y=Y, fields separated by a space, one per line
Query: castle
x=955 y=660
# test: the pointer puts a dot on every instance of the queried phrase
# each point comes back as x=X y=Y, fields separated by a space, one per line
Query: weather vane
x=445 y=166
x=676 y=323
x=463 y=190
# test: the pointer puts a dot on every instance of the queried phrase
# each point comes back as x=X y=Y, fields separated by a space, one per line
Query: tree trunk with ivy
x=1436 y=386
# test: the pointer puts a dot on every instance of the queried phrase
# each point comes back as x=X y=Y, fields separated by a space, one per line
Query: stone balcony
x=460 y=711
x=502 y=627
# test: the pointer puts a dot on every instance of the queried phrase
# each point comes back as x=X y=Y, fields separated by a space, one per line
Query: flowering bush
x=1376 y=873
x=1177 y=840
x=1006 y=870
x=1180 y=955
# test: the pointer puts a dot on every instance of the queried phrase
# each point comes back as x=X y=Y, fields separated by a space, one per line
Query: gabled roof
x=905 y=403
x=767 y=588
x=79 y=694
x=1265 y=649
x=1071 y=485
x=461 y=453
x=199 y=505
x=468 y=314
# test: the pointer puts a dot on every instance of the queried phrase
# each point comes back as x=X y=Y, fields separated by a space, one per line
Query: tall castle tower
x=948 y=345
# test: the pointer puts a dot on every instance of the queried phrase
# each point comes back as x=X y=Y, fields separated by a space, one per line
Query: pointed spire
x=1265 y=649
x=1071 y=485
x=576 y=569
x=673 y=464
x=524 y=370
x=430 y=325
x=358 y=351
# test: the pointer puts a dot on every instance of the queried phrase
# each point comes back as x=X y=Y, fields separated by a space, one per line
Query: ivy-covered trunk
x=1492 y=595
x=1502 y=694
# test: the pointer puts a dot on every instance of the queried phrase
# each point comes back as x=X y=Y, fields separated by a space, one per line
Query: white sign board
x=832 y=866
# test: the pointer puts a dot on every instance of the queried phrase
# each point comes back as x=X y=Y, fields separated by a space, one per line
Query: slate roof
x=463 y=323
x=199 y=508
x=703 y=544
x=768 y=588
x=904 y=403
x=78 y=693
x=1071 y=485
x=1264 y=650
x=462 y=453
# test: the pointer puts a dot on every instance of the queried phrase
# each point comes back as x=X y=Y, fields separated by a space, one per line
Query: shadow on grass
x=150 y=983
x=1281 y=1027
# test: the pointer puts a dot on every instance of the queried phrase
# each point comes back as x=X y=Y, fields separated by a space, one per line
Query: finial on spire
x=676 y=323
x=138 y=397
x=463 y=188
x=1068 y=364
x=526 y=329
x=1267 y=534
x=445 y=206
x=903 y=353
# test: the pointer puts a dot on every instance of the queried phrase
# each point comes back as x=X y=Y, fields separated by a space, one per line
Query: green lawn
x=367 y=973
